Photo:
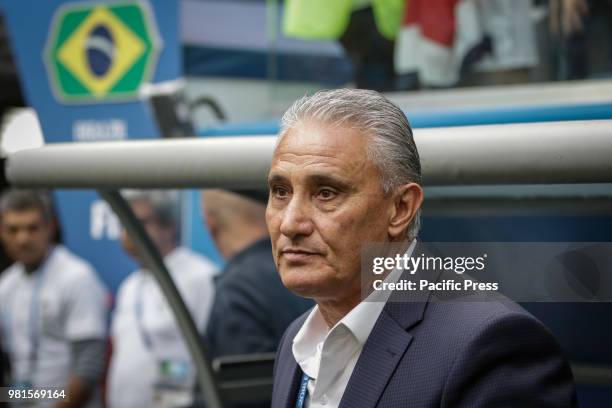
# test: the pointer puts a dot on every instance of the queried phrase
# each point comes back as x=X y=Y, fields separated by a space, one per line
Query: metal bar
x=154 y=262
x=233 y=163
x=592 y=375
x=533 y=153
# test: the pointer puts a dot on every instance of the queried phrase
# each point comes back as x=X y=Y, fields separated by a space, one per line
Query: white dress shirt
x=327 y=356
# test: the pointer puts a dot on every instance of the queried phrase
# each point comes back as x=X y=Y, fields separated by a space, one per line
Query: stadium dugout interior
x=514 y=173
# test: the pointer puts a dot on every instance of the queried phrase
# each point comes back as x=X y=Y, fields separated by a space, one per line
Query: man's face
x=26 y=235
x=325 y=202
x=161 y=235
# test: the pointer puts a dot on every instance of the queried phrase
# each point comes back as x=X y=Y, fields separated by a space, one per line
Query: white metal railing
x=532 y=153
x=552 y=152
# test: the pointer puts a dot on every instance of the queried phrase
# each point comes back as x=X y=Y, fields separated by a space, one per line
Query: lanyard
x=34 y=320
x=10 y=333
x=139 y=315
x=303 y=393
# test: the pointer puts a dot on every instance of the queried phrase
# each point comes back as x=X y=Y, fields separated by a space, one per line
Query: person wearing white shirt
x=52 y=306
x=150 y=364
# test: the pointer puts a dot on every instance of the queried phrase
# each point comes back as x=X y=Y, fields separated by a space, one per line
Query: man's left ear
x=407 y=200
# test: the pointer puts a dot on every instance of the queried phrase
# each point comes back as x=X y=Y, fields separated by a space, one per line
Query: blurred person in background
x=410 y=44
x=366 y=30
x=150 y=364
x=52 y=305
x=252 y=308
x=582 y=29
x=449 y=43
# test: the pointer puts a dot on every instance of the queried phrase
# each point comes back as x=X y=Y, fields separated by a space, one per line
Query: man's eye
x=326 y=194
x=280 y=192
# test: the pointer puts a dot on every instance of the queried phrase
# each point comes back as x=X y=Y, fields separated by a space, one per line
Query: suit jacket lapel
x=287 y=372
x=384 y=349
x=289 y=378
x=377 y=362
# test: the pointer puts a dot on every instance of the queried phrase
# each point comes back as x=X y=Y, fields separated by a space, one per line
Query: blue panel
x=57 y=119
x=444 y=118
x=269 y=127
x=233 y=63
x=510 y=115
x=75 y=211
x=88 y=229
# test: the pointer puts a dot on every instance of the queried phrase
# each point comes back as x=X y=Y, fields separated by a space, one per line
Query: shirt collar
x=308 y=341
x=359 y=321
x=170 y=261
x=47 y=259
x=174 y=255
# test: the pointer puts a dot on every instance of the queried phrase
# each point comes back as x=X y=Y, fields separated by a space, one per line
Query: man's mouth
x=297 y=254
x=24 y=250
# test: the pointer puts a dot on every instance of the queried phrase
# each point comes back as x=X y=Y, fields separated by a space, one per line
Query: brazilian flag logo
x=101 y=52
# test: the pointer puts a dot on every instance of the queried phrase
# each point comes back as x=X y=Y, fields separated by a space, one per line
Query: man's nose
x=22 y=236
x=296 y=219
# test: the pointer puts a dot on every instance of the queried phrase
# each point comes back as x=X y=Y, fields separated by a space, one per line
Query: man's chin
x=307 y=293
x=30 y=262
x=307 y=288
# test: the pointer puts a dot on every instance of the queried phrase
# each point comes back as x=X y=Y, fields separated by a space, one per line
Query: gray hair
x=165 y=203
x=23 y=200
x=391 y=145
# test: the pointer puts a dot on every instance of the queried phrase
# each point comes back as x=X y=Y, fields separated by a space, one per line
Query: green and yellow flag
x=101 y=52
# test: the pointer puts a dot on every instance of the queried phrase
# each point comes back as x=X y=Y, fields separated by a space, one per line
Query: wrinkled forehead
x=317 y=154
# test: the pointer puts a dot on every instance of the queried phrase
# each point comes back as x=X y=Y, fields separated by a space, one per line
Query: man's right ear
x=407 y=202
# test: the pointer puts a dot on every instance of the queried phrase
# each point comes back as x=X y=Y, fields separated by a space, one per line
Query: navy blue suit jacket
x=446 y=354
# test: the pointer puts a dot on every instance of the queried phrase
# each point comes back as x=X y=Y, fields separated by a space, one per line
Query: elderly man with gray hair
x=346 y=172
x=150 y=364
